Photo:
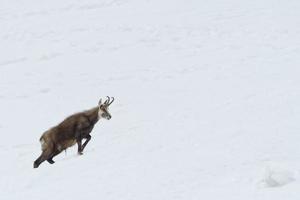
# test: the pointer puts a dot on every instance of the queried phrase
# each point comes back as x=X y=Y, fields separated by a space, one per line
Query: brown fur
x=69 y=132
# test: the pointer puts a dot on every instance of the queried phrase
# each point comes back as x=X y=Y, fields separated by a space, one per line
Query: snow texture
x=207 y=98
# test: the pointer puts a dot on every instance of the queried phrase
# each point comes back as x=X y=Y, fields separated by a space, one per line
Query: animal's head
x=104 y=107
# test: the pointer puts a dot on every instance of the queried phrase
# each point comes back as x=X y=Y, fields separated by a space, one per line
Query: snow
x=207 y=98
x=277 y=178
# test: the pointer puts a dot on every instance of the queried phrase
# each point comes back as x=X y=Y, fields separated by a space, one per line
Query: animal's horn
x=112 y=100
x=106 y=101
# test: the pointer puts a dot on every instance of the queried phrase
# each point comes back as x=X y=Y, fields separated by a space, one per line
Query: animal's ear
x=100 y=102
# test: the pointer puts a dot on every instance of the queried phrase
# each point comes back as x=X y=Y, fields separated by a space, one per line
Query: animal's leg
x=38 y=161
x=88 y=138
x=44 y=156
x=79 y=143
x=50 y=160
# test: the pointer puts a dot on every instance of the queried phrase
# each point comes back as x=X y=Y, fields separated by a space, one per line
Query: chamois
x=70 y=131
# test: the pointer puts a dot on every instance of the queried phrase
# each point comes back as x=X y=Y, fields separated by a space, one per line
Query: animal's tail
x=46 y=142
x=43 y=143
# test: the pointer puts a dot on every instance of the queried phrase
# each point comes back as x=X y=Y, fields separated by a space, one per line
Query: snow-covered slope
x=207 y=98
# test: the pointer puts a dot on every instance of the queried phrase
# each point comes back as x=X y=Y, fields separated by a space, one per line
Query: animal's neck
x=93 y=115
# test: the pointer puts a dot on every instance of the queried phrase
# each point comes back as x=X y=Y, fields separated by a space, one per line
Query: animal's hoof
x=50 y=161
x=35 y=165
x=80 y=153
